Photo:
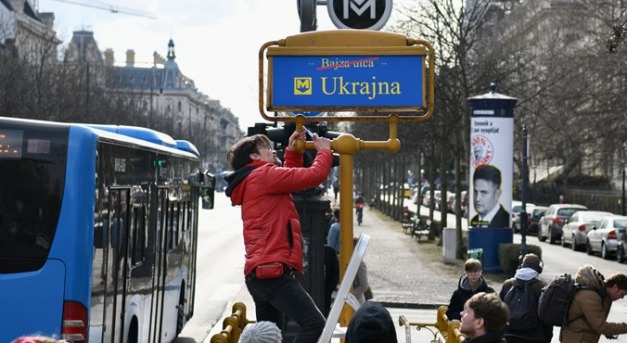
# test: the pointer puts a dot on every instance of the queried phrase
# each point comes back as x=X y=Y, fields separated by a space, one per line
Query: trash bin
x=476 y=253
x=449 y=244
x=489 y=239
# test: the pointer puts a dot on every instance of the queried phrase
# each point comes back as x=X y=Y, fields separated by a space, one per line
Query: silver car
x=553 y=220
x=604 y=238
x=575 y=231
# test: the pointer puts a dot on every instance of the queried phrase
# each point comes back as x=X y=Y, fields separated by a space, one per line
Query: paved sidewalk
x=408 y=277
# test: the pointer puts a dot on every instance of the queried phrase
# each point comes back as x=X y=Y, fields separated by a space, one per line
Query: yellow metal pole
x=346 y=224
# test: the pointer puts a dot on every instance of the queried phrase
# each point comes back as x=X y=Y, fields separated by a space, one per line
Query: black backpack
x=555 y=299
x=523 y=305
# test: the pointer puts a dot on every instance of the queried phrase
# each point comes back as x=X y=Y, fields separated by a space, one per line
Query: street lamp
x=623 y=199
x=523 y=213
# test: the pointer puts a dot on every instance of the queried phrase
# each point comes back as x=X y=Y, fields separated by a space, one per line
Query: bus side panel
x=74 y=243
x=39 y=312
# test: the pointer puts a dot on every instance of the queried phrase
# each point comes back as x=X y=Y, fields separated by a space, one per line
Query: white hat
x=261 y=332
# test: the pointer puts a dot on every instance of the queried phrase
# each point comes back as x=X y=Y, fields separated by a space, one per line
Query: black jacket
x=500 y=220
x=542 y=333
x=464 y=292
x=489 y=337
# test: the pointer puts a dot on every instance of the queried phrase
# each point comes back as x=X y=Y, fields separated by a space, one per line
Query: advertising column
x=491 y=173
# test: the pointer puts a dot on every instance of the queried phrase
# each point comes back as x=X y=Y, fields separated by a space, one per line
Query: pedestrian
x=526 y=326
x=272 y=229
x=371 y=323
x=333 y=237
x=588 y=312
x=261 y=332
x=336 y=189
x=360 y=283
x=470 y=283
x=331 y=276
x=483 y=319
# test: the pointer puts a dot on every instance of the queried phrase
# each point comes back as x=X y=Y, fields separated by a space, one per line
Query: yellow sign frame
x=347 y=42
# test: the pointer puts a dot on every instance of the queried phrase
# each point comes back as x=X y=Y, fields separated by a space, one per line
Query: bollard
x=232 y=325
x=453 y=333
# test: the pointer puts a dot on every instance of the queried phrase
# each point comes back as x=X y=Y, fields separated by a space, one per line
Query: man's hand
x=321 y=142
x=295 y=135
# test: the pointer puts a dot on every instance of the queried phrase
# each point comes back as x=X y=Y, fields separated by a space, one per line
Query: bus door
x=140 y=264
x=117 y=262
x=160 y=264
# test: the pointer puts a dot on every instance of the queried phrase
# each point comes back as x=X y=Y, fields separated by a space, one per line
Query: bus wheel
x=180 y=316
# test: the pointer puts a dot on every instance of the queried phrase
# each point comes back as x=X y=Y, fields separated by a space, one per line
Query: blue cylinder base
x=488 y=239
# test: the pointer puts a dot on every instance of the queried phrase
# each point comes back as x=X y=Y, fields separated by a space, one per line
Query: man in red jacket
x=272 y=233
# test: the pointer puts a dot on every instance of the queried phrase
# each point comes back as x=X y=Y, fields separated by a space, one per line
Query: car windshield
x=591 y=217
x=567 y=212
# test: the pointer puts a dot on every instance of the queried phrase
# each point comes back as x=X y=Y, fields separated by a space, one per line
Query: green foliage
x=509 y=256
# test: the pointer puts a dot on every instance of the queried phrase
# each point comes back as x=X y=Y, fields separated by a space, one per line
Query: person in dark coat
x=469 y=284
x=331 y=277
x=371 y=323
x=529 y=270
x=483 y=319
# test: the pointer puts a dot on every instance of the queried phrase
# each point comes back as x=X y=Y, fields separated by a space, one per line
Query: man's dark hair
x=619 y=279
x=489 y=173
x=492 y=309
x=239 y=155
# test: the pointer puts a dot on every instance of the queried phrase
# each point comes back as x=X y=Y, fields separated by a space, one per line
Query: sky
x=217 y=42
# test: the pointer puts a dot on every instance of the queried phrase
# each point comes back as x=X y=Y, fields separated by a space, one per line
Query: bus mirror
x=207 y=190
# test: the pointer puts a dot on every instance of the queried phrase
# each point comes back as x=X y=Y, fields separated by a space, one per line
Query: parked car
x=438 y=200
x=463 y=205
x=621 y=248
x=534 y=219
x=420 y=194
x=575 y=231
x=427 y=200
x=450 y=203
x=604 y=237
x=553 y=220
x=516 y=209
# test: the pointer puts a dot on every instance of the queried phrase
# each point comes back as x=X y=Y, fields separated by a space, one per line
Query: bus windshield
x=32 y=178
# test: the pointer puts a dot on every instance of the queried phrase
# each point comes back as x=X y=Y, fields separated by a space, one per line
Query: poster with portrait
x=491 y=164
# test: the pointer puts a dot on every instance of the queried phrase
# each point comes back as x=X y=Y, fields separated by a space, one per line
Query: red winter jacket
x=271 y=223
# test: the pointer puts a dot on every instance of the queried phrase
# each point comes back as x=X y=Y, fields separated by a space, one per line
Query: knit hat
x=371 y=323
x=534 y=262
x=261 y=332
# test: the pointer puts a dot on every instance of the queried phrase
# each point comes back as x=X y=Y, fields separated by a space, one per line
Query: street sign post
x=359 y=14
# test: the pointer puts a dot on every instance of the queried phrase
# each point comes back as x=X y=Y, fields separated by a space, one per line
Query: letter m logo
x=359 y=7
x=302 y=86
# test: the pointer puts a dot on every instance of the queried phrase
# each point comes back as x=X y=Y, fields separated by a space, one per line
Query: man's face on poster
x=486 y=196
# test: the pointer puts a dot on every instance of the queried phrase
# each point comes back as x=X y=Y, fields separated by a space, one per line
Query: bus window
x=32 y=185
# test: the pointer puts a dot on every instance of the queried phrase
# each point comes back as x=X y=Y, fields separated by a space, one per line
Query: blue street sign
x=347 y=81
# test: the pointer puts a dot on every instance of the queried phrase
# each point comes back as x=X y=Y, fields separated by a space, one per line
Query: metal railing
x=442 y=329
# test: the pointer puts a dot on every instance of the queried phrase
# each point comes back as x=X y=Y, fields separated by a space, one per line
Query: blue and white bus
x=98 y=231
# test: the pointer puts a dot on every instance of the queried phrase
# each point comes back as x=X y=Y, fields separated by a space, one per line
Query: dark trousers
x=286 y=296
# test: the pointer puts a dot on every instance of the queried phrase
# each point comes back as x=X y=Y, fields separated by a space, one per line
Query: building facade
x=168 y=99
